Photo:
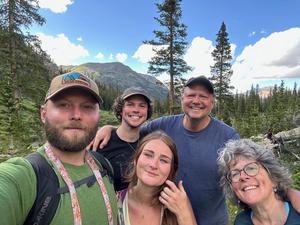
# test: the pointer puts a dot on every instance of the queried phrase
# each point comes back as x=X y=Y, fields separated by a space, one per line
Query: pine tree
x=6 y=109
x=221 y=71
x=178 y=87
x=169 y=45
x=22 y=61
x=253 y=115
x=15 y=15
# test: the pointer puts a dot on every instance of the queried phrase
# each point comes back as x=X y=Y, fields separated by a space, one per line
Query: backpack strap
x=47 y=197
x=48 y=190
x=107 y=168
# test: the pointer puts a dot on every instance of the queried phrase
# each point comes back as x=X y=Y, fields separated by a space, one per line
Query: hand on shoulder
x=102 y=138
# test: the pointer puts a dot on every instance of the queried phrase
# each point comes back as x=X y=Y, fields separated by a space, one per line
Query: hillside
x=120 y=77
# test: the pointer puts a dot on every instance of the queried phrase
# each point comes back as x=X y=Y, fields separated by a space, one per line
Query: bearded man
x=70 y=113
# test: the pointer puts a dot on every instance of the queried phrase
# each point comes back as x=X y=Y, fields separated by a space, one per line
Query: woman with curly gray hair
x=252 y=177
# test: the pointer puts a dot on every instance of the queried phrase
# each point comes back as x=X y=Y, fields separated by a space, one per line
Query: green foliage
x=6 y=108
x=253 y=115
x=293 y=164
x=25 y=79
x=15 y=18
x=160 y=107
x=24 y=75
x=169 y=45
x=108 y=117
x=296 y=180
x=178 y=87
x=19 y=14
x=233 y=210
x=108 y=95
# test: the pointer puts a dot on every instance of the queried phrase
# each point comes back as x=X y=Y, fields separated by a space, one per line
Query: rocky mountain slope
x=120 y=77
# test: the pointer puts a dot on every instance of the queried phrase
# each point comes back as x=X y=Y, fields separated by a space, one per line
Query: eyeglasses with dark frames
x=251 y=169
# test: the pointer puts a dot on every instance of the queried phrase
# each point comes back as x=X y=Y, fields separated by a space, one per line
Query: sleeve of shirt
x=150 y=126
x=235 y=135
x=17 y=190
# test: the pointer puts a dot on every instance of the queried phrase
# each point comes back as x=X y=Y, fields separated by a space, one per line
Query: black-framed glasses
x=251 y=169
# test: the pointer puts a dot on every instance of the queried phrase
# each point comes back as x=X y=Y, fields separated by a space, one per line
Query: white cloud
x=273 y=57
x=61 y=49
x=252 y=34
x=79 y=39
x=233 y=48
x=111 y=56
x=56 y=6
x=121 y=57
x=144 y=53
x=164 y=78
x=100 y=56
x=199 y=57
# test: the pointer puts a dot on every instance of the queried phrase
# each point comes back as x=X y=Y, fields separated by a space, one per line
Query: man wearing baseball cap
x=198 y=137
x=132 y=109
x=70 y=116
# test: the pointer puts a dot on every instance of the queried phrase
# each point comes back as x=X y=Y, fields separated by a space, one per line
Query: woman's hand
x=177 y=201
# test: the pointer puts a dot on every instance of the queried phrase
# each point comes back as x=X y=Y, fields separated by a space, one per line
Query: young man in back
x=132 y=109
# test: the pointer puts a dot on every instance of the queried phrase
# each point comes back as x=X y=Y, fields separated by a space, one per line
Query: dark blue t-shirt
x=198 y=152
x=244 y=217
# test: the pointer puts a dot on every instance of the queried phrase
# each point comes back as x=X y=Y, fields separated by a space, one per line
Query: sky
x=264 y=36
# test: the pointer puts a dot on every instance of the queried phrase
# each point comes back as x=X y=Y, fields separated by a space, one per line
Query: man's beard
x=58 y=140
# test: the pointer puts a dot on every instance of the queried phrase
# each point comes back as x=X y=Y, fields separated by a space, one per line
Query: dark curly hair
x=118 y=105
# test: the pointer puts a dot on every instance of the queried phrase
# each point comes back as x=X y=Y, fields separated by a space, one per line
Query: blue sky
x=264 y=34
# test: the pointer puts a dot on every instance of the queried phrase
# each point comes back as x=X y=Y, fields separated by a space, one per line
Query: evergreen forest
x=26 y=71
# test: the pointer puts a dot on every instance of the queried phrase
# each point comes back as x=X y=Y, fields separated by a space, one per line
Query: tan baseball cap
x=73 y=80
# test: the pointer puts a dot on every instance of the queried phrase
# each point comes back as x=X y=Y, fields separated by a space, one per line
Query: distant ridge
x=263 y=92
x=120 y=77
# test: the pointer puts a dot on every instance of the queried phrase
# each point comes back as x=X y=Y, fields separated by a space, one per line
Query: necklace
x=131 y=147
x=120 y=134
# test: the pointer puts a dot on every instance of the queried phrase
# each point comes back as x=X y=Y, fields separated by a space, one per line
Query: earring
x=275 y=189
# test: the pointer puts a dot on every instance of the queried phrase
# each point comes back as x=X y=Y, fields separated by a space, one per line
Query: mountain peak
x=120 y=77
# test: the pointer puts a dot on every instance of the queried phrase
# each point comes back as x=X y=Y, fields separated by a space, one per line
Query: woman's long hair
x=169 y=218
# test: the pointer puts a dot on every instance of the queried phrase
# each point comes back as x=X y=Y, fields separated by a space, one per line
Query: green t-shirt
x=18 y=192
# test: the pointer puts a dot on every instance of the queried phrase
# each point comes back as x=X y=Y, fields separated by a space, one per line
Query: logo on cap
x=78 y=78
